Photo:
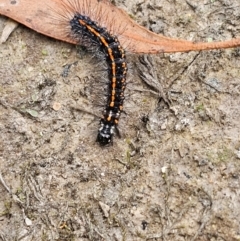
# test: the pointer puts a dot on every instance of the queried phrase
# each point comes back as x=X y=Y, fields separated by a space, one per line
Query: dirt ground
x=174 y=173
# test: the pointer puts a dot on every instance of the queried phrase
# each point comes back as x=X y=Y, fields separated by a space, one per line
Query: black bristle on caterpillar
x=90 y=34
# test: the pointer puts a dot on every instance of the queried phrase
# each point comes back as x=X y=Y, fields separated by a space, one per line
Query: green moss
x=44 y=52
x=225 y=154
x=222 y=155
x=7 y=211
x=200 y=107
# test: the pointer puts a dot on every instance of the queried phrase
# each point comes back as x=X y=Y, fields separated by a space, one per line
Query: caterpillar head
x=105 y=134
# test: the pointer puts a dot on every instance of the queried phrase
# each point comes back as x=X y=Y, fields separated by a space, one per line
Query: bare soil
x=174 y=173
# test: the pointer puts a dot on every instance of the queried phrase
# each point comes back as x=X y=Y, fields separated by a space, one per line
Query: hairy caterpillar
x=85 y=24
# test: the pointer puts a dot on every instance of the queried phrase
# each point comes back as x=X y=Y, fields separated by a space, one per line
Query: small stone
x=164 y=169
x=164 y=125
x=105 y=208
x=237 y=154
x=28 y=221
x=56 y=106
